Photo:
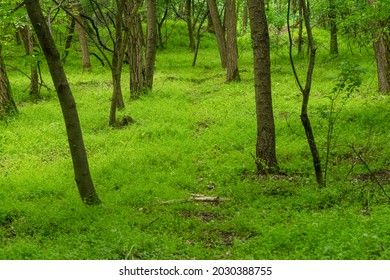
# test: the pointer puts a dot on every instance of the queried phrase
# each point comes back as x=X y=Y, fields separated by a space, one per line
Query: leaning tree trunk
x=7 y=104
x=265 y=147
x=219 y=31
x=28 y=42
x=67 y=102
x=232 y=73
x=151 y=41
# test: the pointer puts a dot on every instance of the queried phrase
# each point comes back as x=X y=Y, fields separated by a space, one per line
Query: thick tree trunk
x=232 y=73
x=28 y=42
x=219 y=31
x=151 y=42
x=7 y=104
x=265 y=147
x=67 y=102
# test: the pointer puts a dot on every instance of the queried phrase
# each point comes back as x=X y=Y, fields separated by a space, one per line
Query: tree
x=151 y=41
x=265 y=146
x=381 y=43
x=7 y=104
x=219 y=31
x=333 y=28
x=232 y=73
x=67 y=102
x=305 y=90
x=85 y=58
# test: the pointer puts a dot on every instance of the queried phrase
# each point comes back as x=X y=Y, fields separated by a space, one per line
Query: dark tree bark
x=381 y=44
x=334 y=49
x=7 y=104
x=67 y=102
x=232 y=73
x=306 y=90
x=265 y=146
x=151 y=41
x=219 y=31
x=245 y=18
x=28 y=42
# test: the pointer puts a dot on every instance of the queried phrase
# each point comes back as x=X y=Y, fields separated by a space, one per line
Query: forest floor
x=193 y=138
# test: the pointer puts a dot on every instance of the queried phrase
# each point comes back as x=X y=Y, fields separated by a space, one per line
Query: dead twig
x=197 y=198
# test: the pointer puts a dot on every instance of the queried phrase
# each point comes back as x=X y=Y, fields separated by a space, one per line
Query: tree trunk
x=219 y=31
x=67 y=102
x=117 y=63
x=85 y=58
x=245 y=18
x=151 y=42
x=381 y=44
x=28 y=42
x=69 y=38
x=188 y=15
x=232 y=73
x=135 y=51
x=300 y=29
x=7 y=104
x=334 y=49
x=306 y=90
x=265 y=147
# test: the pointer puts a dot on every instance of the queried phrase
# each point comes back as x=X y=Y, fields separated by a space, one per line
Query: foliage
x=195 y=134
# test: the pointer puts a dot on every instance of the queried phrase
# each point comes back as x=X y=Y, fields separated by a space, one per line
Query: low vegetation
x=195 y=135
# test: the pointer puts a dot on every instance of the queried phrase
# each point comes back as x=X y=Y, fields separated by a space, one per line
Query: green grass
x=196 y=134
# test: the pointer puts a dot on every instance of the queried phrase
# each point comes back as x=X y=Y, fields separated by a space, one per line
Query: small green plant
x=346 y=83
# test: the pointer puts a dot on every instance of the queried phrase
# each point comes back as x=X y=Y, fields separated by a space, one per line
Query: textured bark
x=7 y=104
x=151 y=42
x=219 y=31
x=232 y=73
x=245 y=18
x=28 y=42
x=265 y=147
x=135 y=50
x=67 y=102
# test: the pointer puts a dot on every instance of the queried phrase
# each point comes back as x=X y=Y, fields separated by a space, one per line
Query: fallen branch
x=197 y=198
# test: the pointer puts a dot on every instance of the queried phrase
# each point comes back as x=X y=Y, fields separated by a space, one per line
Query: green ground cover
x=195 y=134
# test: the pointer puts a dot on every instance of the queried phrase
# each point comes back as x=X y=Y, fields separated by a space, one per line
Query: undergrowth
x=195 y=134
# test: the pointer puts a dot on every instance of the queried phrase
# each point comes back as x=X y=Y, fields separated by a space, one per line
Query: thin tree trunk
x=85 y=57
x=28 y=42
x=188 y=15
x=300 y=29
x=151 y=42
x=198 y=38
x=67 y=102
x=334 y=49
x=245 y=18
x=69 y=38
x=306 y=90
x=232 y=73
x=7 y=104
x=265 y=146
x=219 y=31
